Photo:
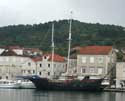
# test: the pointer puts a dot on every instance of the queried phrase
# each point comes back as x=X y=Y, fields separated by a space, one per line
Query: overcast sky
x=40 y=11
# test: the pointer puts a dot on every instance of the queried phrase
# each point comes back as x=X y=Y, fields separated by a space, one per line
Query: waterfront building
x=14 y=63
x=120 y=74
x=17 y=61
x=9 y=64
x=45 y=68
x=96 y=61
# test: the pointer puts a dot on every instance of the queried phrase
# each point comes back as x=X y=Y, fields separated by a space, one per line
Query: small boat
x=106 y=82
x=26 y=84
x=10 y=84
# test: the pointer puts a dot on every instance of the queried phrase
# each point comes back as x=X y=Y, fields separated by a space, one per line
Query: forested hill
x=39 y=35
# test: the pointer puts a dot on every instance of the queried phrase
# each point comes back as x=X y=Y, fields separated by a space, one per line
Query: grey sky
x=37 y=11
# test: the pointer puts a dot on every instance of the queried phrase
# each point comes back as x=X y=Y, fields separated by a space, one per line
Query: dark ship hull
x=67 y=85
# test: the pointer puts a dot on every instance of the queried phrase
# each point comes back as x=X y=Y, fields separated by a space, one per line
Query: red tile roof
x=57 y=58
x=95 y=50
x=35 y=59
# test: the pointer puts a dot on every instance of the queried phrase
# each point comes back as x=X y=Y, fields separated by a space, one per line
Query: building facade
x=120 y=74
x=96 y=61
x=45 y=68
x=14 y=63
x=12 y=66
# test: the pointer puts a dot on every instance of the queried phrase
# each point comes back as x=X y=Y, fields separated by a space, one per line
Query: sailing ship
x=69 y=83
x=85 y=84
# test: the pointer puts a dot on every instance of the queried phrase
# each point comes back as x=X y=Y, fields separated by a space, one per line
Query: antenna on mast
x=69 y=44
x=53 y=46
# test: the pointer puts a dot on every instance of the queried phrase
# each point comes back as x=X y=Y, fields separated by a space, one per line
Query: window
x=92 y=70
x=100 y=59
x=29 y=71
x=33 y=71
x=29 y=64
x=48 y=65
x=44 y=57
x=48 y=73
x=6 y=77
x=83 y=70
x=91 y=59
x=23 y=71
x=83 y=59
x=40 y=73
x=40 y=65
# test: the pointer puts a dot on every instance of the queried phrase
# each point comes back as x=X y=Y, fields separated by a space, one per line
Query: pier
x=114 y=89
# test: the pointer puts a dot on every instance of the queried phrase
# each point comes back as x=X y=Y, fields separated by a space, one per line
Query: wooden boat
x=85 y=84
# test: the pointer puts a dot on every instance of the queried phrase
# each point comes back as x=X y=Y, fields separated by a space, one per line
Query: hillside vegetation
x=39 y=35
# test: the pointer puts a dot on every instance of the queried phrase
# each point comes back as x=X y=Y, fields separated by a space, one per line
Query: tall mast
x=69 y=44
x=53 y=46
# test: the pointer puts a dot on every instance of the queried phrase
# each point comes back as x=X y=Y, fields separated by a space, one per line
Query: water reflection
x=120 y=96
x=33 y=95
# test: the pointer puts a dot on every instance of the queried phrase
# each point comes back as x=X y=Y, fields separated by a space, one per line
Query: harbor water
x=34 y=95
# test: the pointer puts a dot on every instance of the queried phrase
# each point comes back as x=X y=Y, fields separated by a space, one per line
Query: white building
x=45 y=68
x=96 y=61
x=120 y=74
x=13 y=63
